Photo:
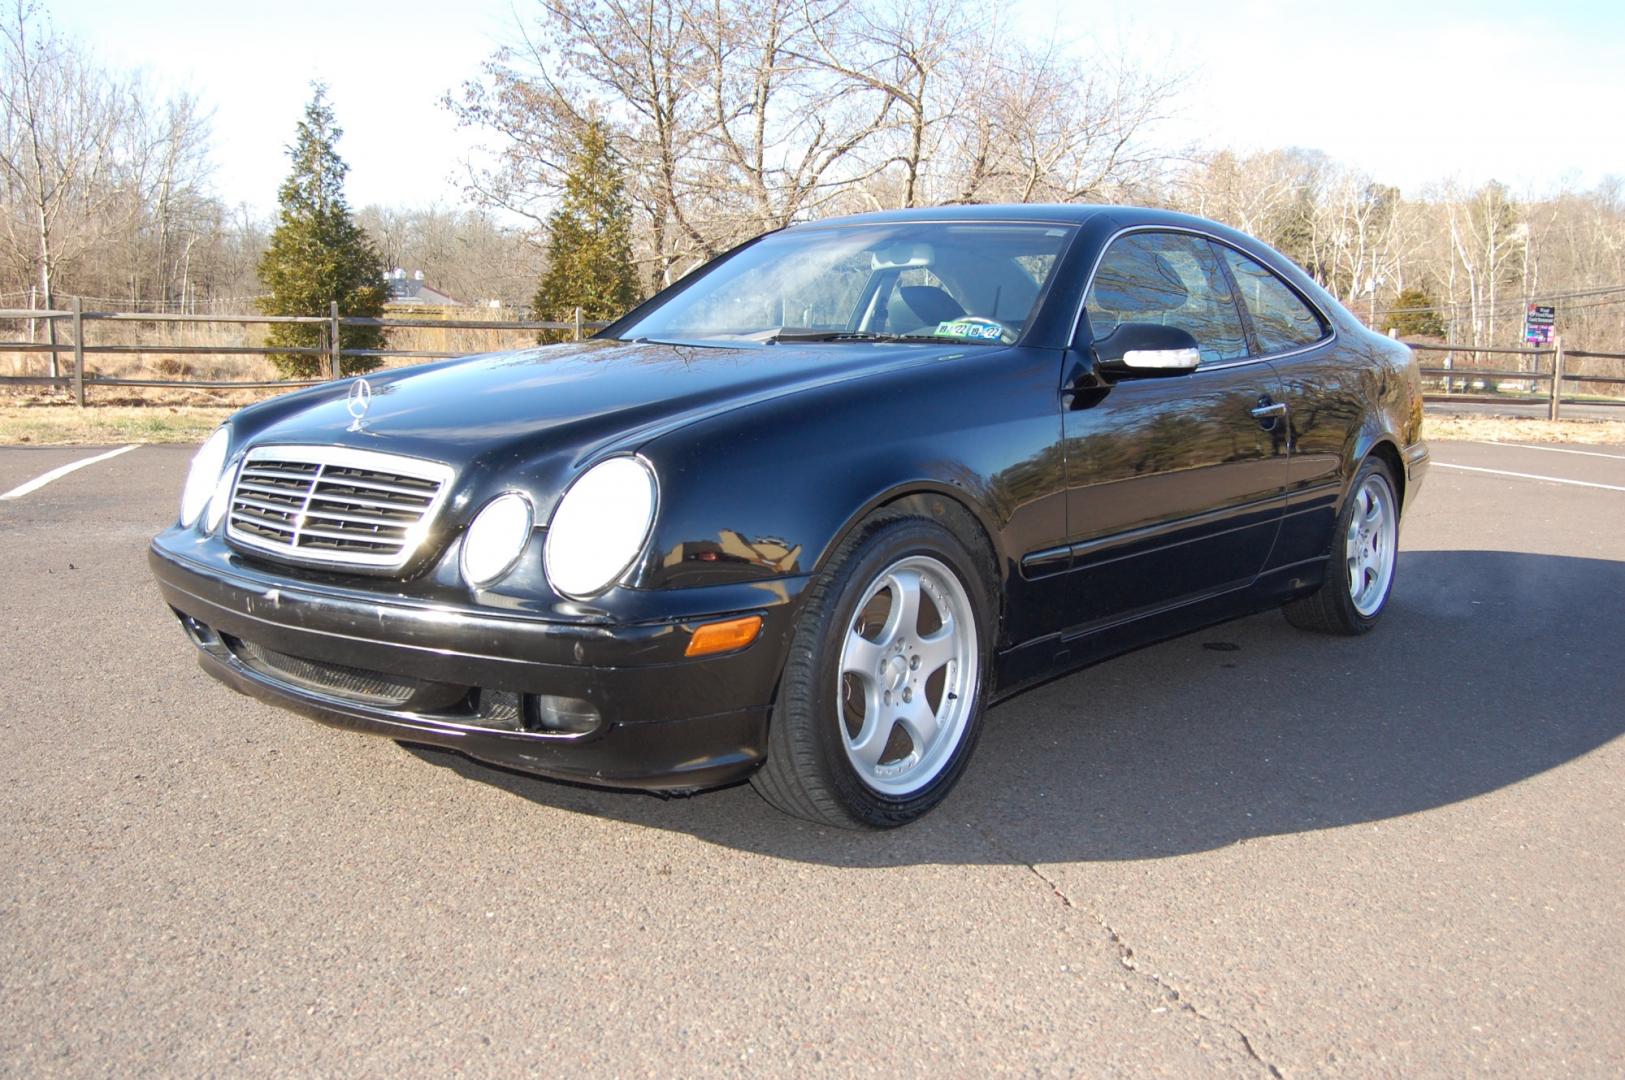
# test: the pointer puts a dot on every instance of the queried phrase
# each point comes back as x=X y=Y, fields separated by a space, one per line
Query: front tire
x=883 y=692
x=1360 y=570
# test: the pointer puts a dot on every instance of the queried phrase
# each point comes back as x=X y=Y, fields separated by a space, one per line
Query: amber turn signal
x=724 y=636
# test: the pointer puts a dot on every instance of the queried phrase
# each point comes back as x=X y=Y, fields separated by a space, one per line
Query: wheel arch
x=947 y=505
x=1385 y=447
x=928 y=499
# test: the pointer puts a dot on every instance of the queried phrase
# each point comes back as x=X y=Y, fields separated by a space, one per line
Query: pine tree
x=1410 y=319
x=318 y=253
x=589 y=240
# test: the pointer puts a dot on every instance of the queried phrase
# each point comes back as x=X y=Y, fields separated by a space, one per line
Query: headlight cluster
x=600 y=526
x=204 y=477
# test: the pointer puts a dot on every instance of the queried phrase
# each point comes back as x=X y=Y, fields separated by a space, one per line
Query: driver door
x=1175 y=484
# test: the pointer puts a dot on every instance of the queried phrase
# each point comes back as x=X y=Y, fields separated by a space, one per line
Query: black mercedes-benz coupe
x=803 y=516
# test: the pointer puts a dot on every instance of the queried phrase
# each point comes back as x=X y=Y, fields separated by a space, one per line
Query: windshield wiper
x=796 y=335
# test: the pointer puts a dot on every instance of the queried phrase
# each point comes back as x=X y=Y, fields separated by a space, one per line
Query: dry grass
x=61 y=423
x=1524 y=429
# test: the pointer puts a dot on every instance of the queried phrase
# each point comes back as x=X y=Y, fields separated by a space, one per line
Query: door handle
x=1267 y=408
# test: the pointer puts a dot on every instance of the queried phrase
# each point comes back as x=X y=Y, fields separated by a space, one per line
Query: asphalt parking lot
x=1249 y=850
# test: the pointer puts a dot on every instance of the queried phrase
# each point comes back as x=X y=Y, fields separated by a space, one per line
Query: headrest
x=931 y=304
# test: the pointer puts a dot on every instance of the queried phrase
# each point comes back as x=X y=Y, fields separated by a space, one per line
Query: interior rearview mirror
x=900 y=256
x=1147 y=350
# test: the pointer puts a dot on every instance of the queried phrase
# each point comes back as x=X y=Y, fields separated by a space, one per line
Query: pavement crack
x=1125 y=957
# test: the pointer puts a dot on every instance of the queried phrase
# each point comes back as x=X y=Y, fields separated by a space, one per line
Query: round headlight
x=204 y=474
x=600 y=526
x=496 y=538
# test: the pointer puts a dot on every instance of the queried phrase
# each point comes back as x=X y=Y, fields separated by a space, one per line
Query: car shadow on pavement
x=1488 y=669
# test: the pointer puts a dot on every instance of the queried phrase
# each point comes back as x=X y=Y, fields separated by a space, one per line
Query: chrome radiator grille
x=330 y=504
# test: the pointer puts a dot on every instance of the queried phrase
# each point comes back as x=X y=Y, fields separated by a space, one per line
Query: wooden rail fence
x=1548 y=366
x=330 y=348
x=1555 y=375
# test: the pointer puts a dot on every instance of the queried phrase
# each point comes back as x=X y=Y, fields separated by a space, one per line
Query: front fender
x=771 y=489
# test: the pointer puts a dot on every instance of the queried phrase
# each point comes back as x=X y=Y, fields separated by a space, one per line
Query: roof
x=405 y=290
x=1057 y=213
x=1070 y=213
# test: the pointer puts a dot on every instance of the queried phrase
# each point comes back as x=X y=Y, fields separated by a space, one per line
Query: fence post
x=578 y=324
x=33 y=305
x=78 y=352
x=1557 y=376
x=334 y=354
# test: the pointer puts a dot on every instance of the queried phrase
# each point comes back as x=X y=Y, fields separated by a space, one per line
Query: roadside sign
x=1538 y=323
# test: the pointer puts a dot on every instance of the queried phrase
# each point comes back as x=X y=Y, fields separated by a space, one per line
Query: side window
x=1168 y=278
x=1281 y=321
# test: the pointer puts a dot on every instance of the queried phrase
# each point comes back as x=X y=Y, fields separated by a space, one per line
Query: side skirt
x=1037 y=662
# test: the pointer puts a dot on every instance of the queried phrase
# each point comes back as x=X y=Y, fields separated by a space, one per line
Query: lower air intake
x=335 y=680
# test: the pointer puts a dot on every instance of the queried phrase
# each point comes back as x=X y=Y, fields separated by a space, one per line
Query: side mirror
x=1147 y=350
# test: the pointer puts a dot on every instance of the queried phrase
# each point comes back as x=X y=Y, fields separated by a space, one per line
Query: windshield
x=907 y=281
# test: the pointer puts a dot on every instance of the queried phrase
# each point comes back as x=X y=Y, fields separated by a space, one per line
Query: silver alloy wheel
x=1371 y=545
x=910 y=666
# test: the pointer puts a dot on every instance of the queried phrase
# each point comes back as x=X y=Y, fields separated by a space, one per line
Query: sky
x=1412 y=92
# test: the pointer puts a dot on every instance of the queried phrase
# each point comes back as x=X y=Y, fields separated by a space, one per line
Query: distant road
x=1532 y=408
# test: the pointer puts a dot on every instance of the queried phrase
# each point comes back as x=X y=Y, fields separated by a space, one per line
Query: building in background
x=415 y=292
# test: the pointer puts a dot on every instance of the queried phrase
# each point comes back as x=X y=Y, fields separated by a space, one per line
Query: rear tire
x=1360 y=569
x=883 y=691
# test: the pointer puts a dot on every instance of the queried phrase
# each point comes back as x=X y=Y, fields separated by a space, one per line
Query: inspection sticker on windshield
x=970 y=329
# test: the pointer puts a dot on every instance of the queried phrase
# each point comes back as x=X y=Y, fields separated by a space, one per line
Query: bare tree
x=1038 y=128
x=1484 y=241
x=903 y=51
x=467 y=253
x=635 y=64
x=1251 y=192
x=736 y=116
x=105 y=182
x=782 y=130
x=58 y=119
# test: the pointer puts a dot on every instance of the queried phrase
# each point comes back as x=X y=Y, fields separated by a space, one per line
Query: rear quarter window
x=1281 y=320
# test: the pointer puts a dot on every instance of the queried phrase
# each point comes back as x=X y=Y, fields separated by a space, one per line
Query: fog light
x=559 y=715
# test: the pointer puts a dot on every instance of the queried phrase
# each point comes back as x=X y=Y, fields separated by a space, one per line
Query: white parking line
x=57 y=473
x=1531 y=476
x=1556 y=450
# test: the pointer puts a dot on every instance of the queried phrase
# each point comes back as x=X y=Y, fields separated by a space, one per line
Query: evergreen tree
x=318 y=253
x=589 y=240
x=1409 y=318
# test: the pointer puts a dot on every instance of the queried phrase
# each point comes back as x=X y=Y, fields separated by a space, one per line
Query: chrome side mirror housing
x=1147 y=350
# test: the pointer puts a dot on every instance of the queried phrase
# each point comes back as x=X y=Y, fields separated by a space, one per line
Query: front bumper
x=666 y=723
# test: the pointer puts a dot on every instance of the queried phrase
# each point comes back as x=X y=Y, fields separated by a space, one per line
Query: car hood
x=546 y=411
